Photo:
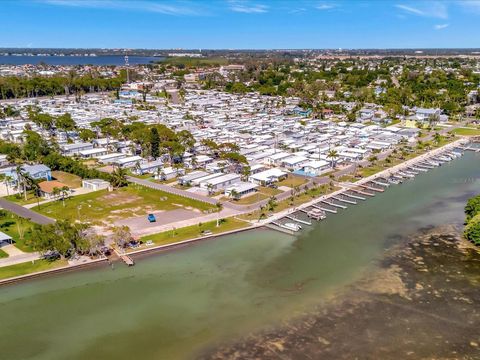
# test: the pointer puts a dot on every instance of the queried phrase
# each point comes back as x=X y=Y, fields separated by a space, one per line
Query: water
x=76 y=60
x=177 y=304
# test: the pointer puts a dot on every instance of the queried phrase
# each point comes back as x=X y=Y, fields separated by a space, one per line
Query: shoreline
x=259 y=224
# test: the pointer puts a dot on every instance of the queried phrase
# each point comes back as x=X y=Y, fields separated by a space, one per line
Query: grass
x=3 y=254
x=29 y=267
x=194 y=231
x=292 y=181
x=71 y=180
x=129 y=201
x=20 y=198
x=466 y=132
x=11 y=224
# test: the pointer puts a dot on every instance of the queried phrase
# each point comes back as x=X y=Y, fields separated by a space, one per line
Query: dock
x=344 y=200
x=371 y=188
x=298 y=220
x=334 y=204
x=324 y=209
x=127 y=260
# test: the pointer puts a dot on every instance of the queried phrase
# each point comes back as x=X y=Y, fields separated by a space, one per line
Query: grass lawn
x=3 y=254
x=194 y=231
x=71 y=180
x=251 y=199
x=129 y=201
x=466 y=131
x=10 y=224
x=28 y=268
x=292 y=181
x=20 y=198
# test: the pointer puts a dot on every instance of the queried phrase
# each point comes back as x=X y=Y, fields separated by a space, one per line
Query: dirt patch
x=117 y=199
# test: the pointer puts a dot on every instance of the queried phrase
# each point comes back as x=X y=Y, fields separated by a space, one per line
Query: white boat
x=292 y=226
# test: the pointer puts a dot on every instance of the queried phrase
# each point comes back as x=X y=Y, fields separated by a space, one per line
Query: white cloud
x=440 y=26
x=433 y=9
x=471 y=5
x=171 y=8
x=246 y=8
x=325 y=6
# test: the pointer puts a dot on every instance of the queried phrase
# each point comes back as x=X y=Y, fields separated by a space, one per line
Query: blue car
x=151 y=218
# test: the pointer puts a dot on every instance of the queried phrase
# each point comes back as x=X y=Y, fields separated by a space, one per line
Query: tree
x=272 y=203
x=121 y=235
x=437 y=138
x=154 y=143
x=472 y=208
x=233 y=194
x=66 y=123
x=119 y=177
x=61 y=237
x=87 y=134
x=333 y=155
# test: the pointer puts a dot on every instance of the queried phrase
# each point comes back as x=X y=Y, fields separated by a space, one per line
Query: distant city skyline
x=237 y=24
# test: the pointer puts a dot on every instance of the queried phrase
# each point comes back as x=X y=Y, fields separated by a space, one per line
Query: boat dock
x=328 y=205
x=127 y=260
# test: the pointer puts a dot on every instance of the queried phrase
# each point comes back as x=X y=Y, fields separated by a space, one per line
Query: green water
x=176 y=304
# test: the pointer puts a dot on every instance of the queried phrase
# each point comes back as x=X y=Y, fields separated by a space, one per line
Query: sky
x=239 y=24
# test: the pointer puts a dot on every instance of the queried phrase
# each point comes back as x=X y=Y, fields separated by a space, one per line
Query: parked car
x=151 y=218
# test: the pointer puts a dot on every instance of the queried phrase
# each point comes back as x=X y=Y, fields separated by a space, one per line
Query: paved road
x=25 y=213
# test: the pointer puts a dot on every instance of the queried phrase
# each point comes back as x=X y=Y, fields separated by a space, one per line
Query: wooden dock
x=127 y=260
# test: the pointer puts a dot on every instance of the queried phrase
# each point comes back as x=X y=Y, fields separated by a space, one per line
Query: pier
x=298 y=220
x=334 y=204
x=127 y=260
x=324 y=209
x=372 y=188
x=344 y=200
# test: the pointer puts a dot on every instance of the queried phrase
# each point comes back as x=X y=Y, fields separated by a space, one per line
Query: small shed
x=5 y=238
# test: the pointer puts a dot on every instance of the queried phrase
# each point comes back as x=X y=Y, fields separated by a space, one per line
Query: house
x=47 y=188
x=36 y=172
x=75 y=148
x=268 y=177
x=129 y=161
x=95 y=184
x=220 y=182
x=5 y=238
x=93 y=153
x=240 y=189
x=150 y=167
x=186 y=180
x=169 y=173
x=315 y=167
x=294 y=162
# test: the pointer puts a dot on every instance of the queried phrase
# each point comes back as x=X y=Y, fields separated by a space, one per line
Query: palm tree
x=272 y=203
x=8 y=180
x=64 y=190
x=437 y=138
x=333 y=155
x=21 y=174
x=119 y=177
x=234 y=194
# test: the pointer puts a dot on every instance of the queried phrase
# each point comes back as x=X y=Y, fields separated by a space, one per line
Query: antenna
x=127 y=65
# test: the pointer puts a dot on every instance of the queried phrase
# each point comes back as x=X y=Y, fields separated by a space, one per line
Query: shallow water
x=176 y=304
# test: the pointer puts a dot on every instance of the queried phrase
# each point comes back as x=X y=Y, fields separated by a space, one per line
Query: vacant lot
x=292 y=181
x=104 y=206
x=72 y=181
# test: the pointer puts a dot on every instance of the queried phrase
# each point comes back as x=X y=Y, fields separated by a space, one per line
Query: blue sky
x=239 y=24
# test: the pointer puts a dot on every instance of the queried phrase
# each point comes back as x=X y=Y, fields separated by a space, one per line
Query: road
x=25 y=213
